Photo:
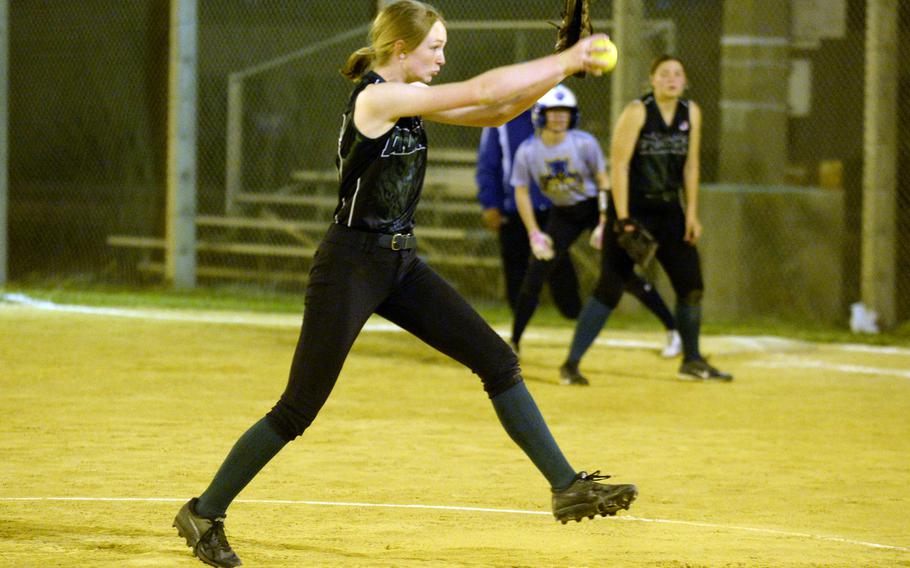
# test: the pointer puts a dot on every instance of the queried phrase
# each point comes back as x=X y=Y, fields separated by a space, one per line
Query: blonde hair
x=406 y=20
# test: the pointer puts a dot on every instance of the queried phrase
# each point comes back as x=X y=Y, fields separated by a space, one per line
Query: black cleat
x=570 y=375
x=586 y=498
x=700 y=370
x=205 y=537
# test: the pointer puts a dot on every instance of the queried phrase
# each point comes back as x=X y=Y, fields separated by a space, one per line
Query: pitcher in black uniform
x=367 y=263
x=654 y=159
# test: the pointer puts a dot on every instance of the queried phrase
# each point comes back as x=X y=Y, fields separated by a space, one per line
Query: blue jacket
x=494 y=166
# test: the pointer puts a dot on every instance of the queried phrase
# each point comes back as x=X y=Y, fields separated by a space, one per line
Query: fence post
x=4 y=139
x=234 y=144
x=755 y=66
x=879 y=266
x=181 y=193
x=626 y=81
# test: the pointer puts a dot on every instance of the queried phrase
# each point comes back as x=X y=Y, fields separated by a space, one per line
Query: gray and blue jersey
x=566 y=172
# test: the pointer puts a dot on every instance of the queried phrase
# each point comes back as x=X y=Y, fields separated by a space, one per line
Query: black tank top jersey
x=380 y=178
x=656 y=170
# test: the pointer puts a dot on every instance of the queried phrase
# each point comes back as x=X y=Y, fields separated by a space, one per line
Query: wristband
x=602 y=201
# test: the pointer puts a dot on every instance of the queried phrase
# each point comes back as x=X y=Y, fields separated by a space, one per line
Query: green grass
x=230 y=299
x=257 y=299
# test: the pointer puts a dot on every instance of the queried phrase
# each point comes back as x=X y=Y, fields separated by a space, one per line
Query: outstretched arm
x=488 y=115
x=488 y=99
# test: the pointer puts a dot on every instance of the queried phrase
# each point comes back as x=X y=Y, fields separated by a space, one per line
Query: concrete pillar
x=4 y=137
x=629 y=79
x=754 y=75
x=180 y=252
x=879 y=239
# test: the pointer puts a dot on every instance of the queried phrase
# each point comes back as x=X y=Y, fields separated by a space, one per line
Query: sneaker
x=570 y=375
x=674 y=345
x=700 y=370
x=205 y=537
x=586 y=498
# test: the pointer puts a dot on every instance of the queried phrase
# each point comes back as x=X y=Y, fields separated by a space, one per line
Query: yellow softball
x=608 y=57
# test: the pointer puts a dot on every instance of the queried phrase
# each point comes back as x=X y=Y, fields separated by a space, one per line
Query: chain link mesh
x=88 y=131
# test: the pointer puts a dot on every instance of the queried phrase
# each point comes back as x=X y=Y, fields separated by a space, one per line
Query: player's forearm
x=603 y=181
x=496 y=114
x=526 y=209
x=619 y=178
x=691 y=181
x=522 y=81
x=509 y=110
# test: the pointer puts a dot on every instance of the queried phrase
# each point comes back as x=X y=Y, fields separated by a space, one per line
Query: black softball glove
x=638 y=243
x=575 y=25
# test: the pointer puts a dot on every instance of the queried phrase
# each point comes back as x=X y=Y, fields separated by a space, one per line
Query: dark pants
x=353 y=277
x=678 y=258
x=516 y=254
x=564 y=226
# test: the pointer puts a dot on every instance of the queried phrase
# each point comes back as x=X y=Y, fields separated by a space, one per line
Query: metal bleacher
x=273 y=235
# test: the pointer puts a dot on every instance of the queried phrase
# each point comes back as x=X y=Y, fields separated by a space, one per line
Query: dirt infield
x=112 y=420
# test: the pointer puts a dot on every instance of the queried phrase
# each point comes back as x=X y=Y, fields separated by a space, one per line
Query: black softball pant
x=564 y=225
x=354 y=277
x=678 y=258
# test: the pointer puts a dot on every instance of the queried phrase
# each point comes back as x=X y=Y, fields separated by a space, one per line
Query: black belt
x=398 y=241
x=343 y=234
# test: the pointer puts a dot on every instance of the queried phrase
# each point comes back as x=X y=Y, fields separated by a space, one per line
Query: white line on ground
x=876 y=349
x=628 y=518
x=757 y=343
x=791 y=362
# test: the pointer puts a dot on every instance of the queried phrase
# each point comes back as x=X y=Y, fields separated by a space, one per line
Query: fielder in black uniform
x=568 y=166
x=654 y=159
x=367 y=263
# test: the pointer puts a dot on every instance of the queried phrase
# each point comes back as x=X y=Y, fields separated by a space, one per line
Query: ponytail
x=358 y=63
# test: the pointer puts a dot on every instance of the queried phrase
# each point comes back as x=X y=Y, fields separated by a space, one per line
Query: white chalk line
x=751 y=343
x=628 y=518
x=790 y=363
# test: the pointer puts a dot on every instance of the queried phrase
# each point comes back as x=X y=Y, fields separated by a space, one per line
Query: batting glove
x=597 y=237
x=542 y=246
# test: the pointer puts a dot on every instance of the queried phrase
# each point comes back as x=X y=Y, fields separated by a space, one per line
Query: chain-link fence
x=88 y=131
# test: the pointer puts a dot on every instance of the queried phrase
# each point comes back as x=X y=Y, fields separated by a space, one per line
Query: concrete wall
x=769 y=251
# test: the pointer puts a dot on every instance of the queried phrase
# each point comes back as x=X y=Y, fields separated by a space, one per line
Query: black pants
x=516 y=254
x=564 y=226
x=353 y=277
x=678 y=258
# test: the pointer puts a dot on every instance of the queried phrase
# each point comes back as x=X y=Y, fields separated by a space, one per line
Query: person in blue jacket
x=497 y=198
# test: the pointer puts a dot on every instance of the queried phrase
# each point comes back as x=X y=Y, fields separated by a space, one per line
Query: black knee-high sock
x=591 y=320
x=522 y=420
x=688 y=320
x=252 y=451
x=647 y=295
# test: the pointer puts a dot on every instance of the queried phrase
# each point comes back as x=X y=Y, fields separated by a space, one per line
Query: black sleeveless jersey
x=380 y=179
x=656 y=170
